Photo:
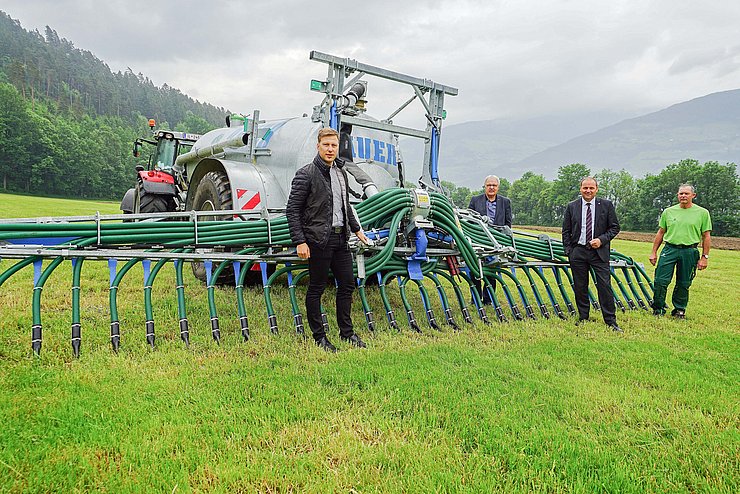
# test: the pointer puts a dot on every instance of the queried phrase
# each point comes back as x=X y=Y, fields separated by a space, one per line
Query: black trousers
x=482 y=293
x=334 y=255
x=581 y=259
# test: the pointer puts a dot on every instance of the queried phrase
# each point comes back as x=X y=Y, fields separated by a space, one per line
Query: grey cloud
x=507 y=58
x=708 y=59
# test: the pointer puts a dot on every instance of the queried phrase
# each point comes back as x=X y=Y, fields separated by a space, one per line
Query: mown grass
x=523 y=406
x=24 y=206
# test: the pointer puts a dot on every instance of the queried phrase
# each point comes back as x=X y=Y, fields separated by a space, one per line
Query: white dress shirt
x=582 y=238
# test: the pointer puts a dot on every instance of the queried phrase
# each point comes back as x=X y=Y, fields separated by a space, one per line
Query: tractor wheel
x=213 y=194
x=151 y=203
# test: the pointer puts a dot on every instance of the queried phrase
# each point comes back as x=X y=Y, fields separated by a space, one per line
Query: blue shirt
x=491 y=209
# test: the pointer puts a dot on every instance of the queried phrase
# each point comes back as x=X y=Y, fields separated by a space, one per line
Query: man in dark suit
x=498 y=211
x=497 y=208
x=589 y=226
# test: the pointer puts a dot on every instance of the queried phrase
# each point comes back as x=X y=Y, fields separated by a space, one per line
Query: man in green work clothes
x=682 y=226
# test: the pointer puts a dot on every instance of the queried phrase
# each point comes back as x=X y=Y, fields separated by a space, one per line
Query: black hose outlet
x=619 y=304
x=432 y=321
x=543 y=310
x=184 y=331
x=466 y=315
x=298 y=321
x=244 y=324
x=559 y=311
x=631 y=303
x=500 y=314
x=36 y=338
x=451 y=320
x=529 y=311
x=150 y=333
x=571 y=309
x=115 y=335
x=272 y=321
x=76 y=339
x=412 y=321
x=392 y=320
x=596 y=305
x=517 y=313
x=370 y=320
x=483 y=316
x=325 y=322
x=215 y=330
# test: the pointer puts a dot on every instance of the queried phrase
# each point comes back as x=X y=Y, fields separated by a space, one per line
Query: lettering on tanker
x=373 y=149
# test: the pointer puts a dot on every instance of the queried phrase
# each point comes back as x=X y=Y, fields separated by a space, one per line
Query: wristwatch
x=705 y=256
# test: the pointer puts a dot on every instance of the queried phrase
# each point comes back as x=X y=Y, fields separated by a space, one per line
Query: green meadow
x=27 y=206
x=527 y=406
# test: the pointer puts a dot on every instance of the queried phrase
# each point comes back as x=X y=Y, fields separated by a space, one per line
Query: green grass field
x=519 y=407
x=20 y=206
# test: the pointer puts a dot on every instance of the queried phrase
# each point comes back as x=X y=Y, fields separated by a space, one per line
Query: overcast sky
x=509 y=59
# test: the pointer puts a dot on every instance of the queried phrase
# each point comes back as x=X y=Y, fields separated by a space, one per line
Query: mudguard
x=253 y=186
x=127 y=203
x=159 y=188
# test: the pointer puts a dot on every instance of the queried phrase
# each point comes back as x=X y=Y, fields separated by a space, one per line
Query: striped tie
x=589 y=224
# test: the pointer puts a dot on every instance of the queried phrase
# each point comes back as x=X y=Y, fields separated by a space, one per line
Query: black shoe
x=615 y=328
x=580 y=322
x=326 y=344
x=678 y=313
x=354 y=340
x=658 y=312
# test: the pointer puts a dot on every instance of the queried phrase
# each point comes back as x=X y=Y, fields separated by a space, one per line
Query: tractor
x=158 y=187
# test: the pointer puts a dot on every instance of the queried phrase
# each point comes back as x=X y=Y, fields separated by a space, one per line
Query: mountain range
x=705 y=128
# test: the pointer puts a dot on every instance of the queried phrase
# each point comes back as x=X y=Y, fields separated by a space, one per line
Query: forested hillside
x=67 y=122
x=75 y=80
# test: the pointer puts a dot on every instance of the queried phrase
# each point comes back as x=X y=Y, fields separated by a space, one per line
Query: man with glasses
x=496 y=208
x=490 y=204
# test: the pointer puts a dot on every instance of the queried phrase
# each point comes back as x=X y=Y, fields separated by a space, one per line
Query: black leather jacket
x=310 y=204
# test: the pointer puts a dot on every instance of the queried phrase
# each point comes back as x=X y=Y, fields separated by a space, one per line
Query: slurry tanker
x=217 y=202
x=249 y=164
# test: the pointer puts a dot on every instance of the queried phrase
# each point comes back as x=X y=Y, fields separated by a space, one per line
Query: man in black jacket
x=589 y=226
x=497 y=208
x=320 y=219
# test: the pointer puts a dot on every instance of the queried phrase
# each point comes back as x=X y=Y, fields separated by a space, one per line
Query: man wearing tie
x=589 y=226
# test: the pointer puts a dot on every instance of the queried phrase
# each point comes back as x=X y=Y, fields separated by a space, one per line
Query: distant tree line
x=46 y=151
x=67 y=122
x=47 y=67
x=638 y=201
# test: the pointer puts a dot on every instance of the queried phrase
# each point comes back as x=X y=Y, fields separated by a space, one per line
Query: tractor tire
x=152 y=203
x=213 y=193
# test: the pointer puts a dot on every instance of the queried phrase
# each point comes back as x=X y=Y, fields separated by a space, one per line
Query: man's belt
x=337 y=229
x=676 y=246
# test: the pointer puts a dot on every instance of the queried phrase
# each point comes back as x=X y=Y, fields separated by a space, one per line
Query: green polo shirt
x=684 y=226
